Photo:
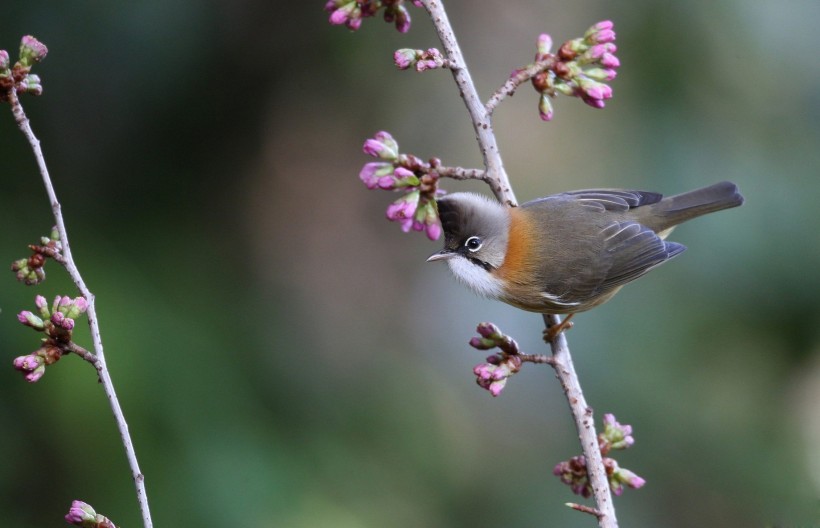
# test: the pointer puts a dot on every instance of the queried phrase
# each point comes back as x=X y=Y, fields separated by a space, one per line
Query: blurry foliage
x=283 y=354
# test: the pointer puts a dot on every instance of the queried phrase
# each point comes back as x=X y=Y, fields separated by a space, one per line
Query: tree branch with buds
x=580 y=68
x=57 y=324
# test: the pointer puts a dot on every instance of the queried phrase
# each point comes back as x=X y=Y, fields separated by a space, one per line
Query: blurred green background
x=283 y=354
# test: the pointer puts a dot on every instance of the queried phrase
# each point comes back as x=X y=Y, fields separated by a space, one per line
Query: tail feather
x=677 y=209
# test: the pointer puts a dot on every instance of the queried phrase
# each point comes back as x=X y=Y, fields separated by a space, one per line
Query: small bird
x=568 y=252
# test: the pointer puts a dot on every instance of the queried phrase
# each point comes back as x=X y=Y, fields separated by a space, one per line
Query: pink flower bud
x=383 y=146
x=81 y=304
x=600 y=74
x=35 y=375
x=342 y=13
x=603 y=36
x=402 y=19
x=372 y=172
x=543 y=44
x=31 y=51
x=29 y=319
x=433 y=230
x=404 y=58
x=4 y=60
x=404 y=208
x=406 y=225
x=609 y=60
x=599 y=91
x=41 y=302
x=545 y=109
x=80 y=514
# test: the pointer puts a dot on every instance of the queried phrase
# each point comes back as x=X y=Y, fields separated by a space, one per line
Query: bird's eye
x=473 y=244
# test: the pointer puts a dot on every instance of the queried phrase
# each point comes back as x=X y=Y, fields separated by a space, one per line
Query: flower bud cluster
x=83 y=514
x=421 y=60
x=351 y=12
x=493 y=374
x=30 y=270
x=573 y=472
x=19 y=75
x=57 y=324
x=416 y=208
x=580 y=69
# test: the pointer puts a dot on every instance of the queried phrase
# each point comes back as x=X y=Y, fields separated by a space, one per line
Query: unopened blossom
x=416 y=208
x=420 y=59
x=499 y=367
x=404 y=208
x=580 y=68
x=382 y=145
x=350 y=13
x=493 y=374
x=31 y=51
x=29 y=319
x=573 y=472
x=32 y=366
x=621 y=476
x=615 y=435
x=83 y=514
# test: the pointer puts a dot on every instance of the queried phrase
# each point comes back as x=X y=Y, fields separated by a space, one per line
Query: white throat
x=475 y=277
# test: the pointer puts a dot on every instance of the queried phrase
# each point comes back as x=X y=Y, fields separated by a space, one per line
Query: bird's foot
x=550 y=333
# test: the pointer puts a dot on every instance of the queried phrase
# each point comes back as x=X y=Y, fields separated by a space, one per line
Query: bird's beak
x=444 y=254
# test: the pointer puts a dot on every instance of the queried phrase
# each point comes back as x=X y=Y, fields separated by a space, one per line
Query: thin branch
x=93 y=322
x=83 y=353
x=517 y=79
x=460 y=173
x=498 y=181
x=496 y=175
x=584 y=509
x=585 y=425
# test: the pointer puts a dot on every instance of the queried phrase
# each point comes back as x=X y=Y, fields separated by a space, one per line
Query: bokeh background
x=284 y=355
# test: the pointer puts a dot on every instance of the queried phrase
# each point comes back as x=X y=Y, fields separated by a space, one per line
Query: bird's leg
x=552 y=332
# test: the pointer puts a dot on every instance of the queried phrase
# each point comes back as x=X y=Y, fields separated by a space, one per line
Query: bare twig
x=83 y=353
x=499 y=183
x=517 y=79
x=585 y=509
x=93 y=322
x=460 y=173
x=496 y=175
x=584 y=423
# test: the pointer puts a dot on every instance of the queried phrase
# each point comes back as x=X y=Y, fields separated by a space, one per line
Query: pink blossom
x=80 y=514
x=404 y=208
x=603 y=24
x=372 y=172
x=31 y=50
x=32 y=365
x=433 y=230
x=609 y=60
x=382 y=145
x=404 y=58
x=545 y=110
x=41 y=302
x=543 y=44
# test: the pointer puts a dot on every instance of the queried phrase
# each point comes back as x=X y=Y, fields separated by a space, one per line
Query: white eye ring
x=473 y=244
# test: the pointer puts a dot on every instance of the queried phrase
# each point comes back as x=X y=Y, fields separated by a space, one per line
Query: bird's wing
x=614 y=199
x=630 y=250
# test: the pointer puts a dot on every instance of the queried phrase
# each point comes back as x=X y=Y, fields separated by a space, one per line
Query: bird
x=568 y=252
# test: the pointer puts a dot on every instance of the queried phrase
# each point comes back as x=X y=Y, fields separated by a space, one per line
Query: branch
x=460 y=173
x=517 y=79
x=105 y=377
x=584 y=423
x=496 y=176
x=498 y=181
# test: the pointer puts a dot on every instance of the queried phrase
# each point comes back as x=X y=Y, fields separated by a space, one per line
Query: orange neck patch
x=519 y=260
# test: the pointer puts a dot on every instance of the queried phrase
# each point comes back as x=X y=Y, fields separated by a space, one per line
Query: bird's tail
x=677 y=209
